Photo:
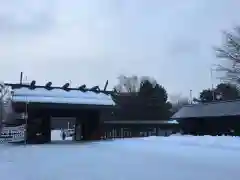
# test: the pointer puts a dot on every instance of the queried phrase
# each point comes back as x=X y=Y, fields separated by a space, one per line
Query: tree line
x=143 y=98
x=140 y=98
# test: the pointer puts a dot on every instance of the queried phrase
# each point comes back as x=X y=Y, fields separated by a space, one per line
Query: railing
x=121 y=133
x=129 y=129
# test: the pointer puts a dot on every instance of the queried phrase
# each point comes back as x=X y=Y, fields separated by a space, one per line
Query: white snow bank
x=208 y=141
x=137 y=158
x=173 y=122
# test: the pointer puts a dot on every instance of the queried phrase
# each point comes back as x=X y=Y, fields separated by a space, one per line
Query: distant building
x=216 y=118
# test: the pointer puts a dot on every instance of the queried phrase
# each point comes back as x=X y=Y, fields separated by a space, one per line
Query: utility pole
x=211 y=75
x=190 y=96
x=21 y=77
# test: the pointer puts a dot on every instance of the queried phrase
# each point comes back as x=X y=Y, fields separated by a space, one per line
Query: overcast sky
x=90 y=41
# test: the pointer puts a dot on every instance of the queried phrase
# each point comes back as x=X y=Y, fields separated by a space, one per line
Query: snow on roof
x=213 y=109
x=42 y=95
x=173 y=122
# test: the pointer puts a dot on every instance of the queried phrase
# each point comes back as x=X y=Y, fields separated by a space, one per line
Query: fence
x=109 y=130
x=128 y=129
x=119 y=132
x=13 y=134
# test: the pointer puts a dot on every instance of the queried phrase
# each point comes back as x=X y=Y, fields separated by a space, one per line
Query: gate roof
x=40 y=94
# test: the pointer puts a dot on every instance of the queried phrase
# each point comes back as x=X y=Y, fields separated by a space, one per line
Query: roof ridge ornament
x=95 y=89
x=83 y=88
x=32 y=85
x=48 y=85
x=66 y=87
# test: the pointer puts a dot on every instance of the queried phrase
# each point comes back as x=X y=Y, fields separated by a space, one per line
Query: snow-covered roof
x=43 y=95
x=213 y=109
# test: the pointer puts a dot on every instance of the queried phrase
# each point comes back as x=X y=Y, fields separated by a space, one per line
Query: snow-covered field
x=166 y=158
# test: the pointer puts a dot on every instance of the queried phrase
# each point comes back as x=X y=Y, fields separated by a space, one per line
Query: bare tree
x=127 y=84
x=178 y=101
x=230 y=51
x=132 y=84
x=149 y=79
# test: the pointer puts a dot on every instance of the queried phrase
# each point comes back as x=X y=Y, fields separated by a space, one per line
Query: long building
x=215 y=118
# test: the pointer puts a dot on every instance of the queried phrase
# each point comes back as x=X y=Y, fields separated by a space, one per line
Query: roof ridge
x=19 y=86
x=213 y=102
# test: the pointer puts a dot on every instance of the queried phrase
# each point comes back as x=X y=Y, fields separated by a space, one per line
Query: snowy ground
x=166 y=158
x=56 y=136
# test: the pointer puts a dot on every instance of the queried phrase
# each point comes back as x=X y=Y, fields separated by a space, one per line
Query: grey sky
x=90 y=41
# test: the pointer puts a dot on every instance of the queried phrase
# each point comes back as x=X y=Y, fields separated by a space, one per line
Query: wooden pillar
x=94 y=128
x=46 y=128
x=87 y=126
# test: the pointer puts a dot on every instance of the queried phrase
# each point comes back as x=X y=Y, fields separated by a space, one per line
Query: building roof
x=41 y=94
x=214 y=109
